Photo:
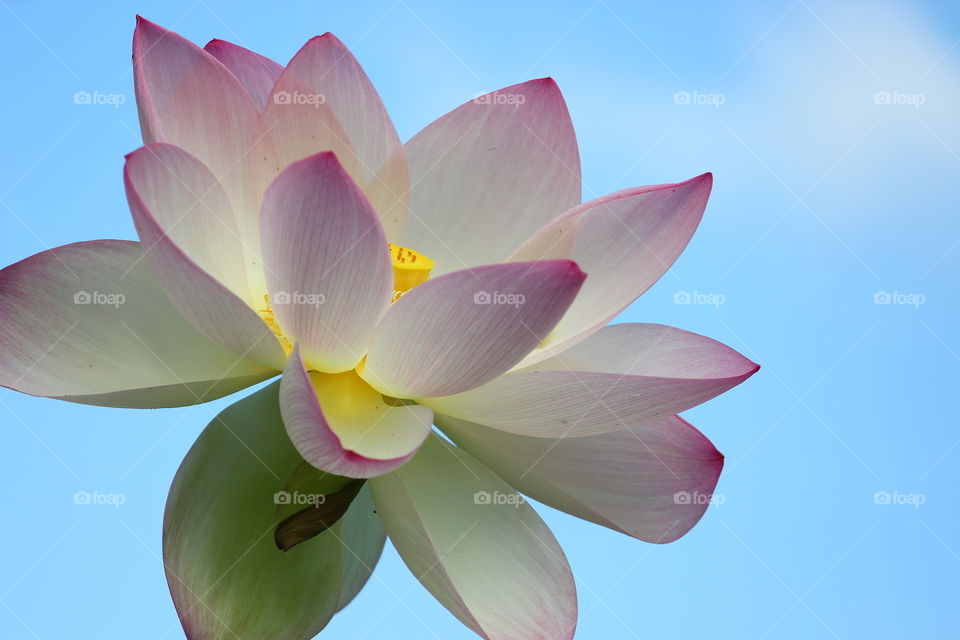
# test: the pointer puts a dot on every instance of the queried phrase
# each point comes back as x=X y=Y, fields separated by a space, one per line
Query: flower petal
x=189 y=205
x=477 y=546
x=624 y=241
x=490 y=173
x=340 y=424
x=226 y=576
x=160 y=182
x=463 y=329
x=88 y=323
x=623 y=375
x=363 y=539
x=255 y=72
x=323 y=101
x=652 y=480
x=188 y=98
x=327 y=261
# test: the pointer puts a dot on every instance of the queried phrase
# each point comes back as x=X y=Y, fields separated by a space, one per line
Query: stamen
x=409 y=269
x=266 y=314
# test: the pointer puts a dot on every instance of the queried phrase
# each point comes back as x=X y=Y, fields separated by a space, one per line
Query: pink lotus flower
x=455 y=280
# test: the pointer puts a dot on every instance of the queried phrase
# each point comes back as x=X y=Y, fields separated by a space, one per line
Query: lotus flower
x=455 y=280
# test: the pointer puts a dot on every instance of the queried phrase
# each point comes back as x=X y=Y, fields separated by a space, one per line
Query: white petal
x=323 y=101
x=188 y=98
x=88 y=323
x=624 y=242
x=204 y=301
x=256 y=73
x=461 y=330
x=490 y=173
x=476 y=546
x=327 y=261
x=651 y=480
x=623 y=375
x=191 y=208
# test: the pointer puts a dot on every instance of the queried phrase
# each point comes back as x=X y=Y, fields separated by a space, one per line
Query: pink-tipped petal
x=463 y=329
x=188 y=98
x=624 y=241
x=88 y=323
x=188 y=203
x=477 y=546
x=651 y=480
x=211 y=306
x=623 y=375
x=342 y=426
x=490 y=173
x=255 y=72
x=328 y=266
x=323 y=101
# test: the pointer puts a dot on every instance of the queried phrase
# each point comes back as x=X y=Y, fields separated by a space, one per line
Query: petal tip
x=324 y=38
x=573 y=270
x=147 y=25
x=546 y=87
x=324 y=161
x=704 y=181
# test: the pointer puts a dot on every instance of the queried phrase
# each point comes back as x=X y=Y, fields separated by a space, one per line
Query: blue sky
x=832 y=132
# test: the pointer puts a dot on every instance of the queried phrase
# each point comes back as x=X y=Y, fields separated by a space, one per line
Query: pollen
x=409 y=269
x=266 y=314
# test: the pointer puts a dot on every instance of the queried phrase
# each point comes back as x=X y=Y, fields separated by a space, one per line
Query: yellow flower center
x=409 y=269
x=266 y=314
